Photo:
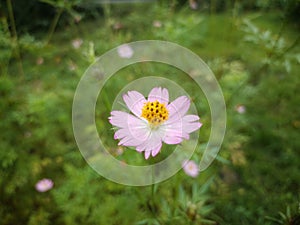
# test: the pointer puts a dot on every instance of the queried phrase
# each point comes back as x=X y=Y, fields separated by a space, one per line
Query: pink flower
x=76 y=43
x=118 y=26
x=125 y=51
x=153 y=121
x=39 y=60
x=193 y=4
x=240 y=109
x=190 y=168
x=157 y=24
x=44 y=185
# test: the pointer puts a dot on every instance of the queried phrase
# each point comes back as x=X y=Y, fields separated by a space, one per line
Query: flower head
x=125 y=51
x=240 y=109
x=157 y=24
x=153 y=121
x=190 y=168
x=76 y=43
x=44 y=185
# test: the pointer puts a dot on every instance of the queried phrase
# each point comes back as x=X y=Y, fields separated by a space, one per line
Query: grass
x=257 y=171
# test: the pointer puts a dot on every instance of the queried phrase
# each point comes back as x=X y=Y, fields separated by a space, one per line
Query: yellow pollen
x=155 y=112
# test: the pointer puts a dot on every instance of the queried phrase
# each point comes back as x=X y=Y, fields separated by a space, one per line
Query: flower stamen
x=155 y=112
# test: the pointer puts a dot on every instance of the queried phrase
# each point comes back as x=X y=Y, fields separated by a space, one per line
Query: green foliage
x=257 y=171
x=275 y=47
x=290 y=216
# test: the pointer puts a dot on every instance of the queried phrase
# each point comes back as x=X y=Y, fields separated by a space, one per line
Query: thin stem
x=107 y=14
x=12 y=19
x=54 y=24
x=152 y=201
x=14 y=36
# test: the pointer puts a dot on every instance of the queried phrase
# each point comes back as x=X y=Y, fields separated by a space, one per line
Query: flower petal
x=172 y=140
x=159 y=94
x=152 y=145
x=190 y=123
x=133 y=131
x=178 y=108
x=156 y=150
x=135 y=102
x=147 y=154
x=173 y=133
x=176 y=131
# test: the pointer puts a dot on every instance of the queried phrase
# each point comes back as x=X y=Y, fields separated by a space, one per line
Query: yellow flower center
x=155 y=112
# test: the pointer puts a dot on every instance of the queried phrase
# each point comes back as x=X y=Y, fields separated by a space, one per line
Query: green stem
x=14 y=36
x=107 y=14
x=153 y=201
x=54 y=24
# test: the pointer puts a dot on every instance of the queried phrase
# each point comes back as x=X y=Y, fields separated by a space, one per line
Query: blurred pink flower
x=157 y=23
x=39 y=60
x=240 y=109
x=44 y=185
x=193 y=4
x=153 y=121
x=118 y=26
x=76 y=43
x=190 y=168
x=125 y=51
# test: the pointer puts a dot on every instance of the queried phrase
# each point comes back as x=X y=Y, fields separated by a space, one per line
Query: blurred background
x=251 y=46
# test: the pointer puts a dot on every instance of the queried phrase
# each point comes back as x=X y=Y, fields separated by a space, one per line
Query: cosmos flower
x=153 y=121
x=76 y=43
x=240 y=109
x=190 y=168
x=125 y=51
x=193 y=4
x=157 y=24
x=44 y=185
x=39 y=60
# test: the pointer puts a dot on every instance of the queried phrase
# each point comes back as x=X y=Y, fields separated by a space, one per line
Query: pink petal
x=119 y=118
x=173 y=132
x=147 y=154
x=135 y=102
x=159 y=94
x=190 y=123
x=176 y=131
x=152 y=145
x=172 y=140
x=178 y=108
x=133 y=131
x=156 y=150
